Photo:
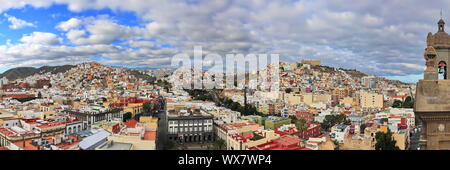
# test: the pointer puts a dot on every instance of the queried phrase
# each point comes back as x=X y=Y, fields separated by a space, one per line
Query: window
x=442 y=70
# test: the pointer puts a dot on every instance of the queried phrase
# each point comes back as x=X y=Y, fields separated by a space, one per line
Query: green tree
x=397 y=104
x=362 y=128
x=127 y=116
x=219 y=144
x=384 y=120
x=147 y=107
x=385 y=141
x=336 y=145
x=288 y=90
x=331 y=120
x=170 y=145
x=408 y=103
x=301 y=124
x=23 y=100
x=328 y=122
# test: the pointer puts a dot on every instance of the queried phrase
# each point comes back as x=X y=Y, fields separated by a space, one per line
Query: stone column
x=431 y=72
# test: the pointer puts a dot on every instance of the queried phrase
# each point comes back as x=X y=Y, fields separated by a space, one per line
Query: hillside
x=22 y=72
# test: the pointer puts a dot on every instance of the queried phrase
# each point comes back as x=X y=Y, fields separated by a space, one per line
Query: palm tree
x=301 y=124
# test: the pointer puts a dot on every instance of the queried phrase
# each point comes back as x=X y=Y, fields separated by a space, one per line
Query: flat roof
x=93 y=139
x=116 y=146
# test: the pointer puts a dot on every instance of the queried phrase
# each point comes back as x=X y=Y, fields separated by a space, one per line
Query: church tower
x=437 y=54
x=432 y=101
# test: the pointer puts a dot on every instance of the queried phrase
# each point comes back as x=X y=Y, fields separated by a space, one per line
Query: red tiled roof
x=237 y=125
x=282 y=143
x=399 y=96
x=29 y=146
x=150 y=135
x=244 y=137
x=131 y=123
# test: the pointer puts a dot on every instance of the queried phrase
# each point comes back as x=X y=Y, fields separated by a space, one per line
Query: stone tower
x=432 y=101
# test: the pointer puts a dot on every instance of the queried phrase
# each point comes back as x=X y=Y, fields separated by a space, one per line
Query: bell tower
x=432 y=101
x=441 y=24
x=437 y=54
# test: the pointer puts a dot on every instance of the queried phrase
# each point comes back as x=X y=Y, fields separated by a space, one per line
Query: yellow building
x=401 y=140
x=263 y=108
x=134 y=108
x=347 y=101
x=356 y=142
x=151 y=123
x=324 y=98
x=307 y=99
x=293 y=98
x=371 y=100
x=383 y=128
x=77 y=103
x=320 y=143
x=47 y=115
x=341 y=92
x=327 y=145
x=243 y=142
x=239 y=127
x=137 y=141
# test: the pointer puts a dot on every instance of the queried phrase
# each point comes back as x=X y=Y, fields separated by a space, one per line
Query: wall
x=138 y=143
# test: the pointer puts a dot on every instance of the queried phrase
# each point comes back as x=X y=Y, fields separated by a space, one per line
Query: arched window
x=442 y=70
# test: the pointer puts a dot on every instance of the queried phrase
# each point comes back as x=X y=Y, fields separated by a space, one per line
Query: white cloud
x=72 y=23
x=99 y=30
x=41 y=38
x=342 y=33
x=16 y=23
x=30 y=54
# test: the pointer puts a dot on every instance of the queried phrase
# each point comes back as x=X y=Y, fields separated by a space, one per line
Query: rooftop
x=237 y=125
x=150 y=135
x=92 y=140
x=116 y=146
x=283 y=143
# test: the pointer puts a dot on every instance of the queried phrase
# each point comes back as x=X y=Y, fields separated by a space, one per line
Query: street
x=414 y=138
x=162 y=128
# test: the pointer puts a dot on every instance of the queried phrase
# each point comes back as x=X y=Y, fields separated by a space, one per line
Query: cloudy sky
x=380 y=37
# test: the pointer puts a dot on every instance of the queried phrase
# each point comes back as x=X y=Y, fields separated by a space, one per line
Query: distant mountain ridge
x=23 y=72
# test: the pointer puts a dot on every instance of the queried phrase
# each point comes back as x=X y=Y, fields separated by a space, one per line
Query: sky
x=380 y=37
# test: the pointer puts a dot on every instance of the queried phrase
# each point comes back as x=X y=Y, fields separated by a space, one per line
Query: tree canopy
x=301 y=124
x=407 y=103
x=148 y=107
x=331 y=120
x=385 y=141
x=127 y=116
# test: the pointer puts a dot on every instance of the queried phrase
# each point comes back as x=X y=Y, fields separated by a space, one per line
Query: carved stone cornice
x=434 y=115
